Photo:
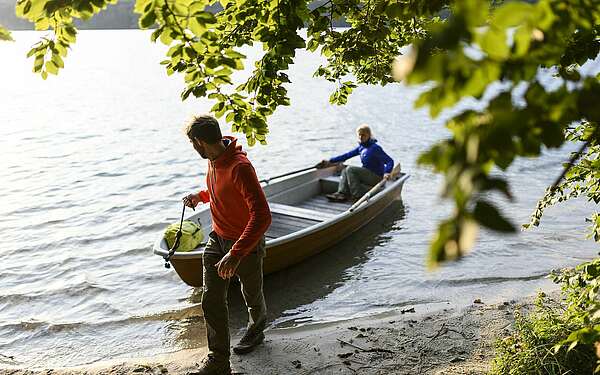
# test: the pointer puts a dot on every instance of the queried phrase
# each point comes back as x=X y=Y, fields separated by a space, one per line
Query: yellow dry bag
x=191 y=235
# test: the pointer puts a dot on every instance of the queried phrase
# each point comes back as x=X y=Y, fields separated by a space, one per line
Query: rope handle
x=178 y=235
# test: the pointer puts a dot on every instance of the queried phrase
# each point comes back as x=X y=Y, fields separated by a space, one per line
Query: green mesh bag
x=191 y=235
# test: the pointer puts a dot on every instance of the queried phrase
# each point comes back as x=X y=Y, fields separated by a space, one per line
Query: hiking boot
x=249 y=342
x=337 y=197
x=210 y=366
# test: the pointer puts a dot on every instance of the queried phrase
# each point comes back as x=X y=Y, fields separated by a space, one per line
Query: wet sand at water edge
x=438 y=339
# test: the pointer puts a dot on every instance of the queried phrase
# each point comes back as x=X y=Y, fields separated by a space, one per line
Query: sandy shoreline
x=431 y=340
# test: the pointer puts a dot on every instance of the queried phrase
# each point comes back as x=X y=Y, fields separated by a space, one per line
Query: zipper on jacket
x=213 y=178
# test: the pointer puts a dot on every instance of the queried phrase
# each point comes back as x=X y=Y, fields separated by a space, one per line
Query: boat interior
x=296 y=203
x=303 y=206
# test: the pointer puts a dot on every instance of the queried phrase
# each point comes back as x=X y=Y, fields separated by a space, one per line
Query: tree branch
x=570 y=165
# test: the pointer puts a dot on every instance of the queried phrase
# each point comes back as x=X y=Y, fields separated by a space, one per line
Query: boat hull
x=283 y=255
x=189 y=270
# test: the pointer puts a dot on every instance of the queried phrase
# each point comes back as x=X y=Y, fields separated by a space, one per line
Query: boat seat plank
x=295 y=211
x=328 y=210
x=289 y=225
x=292 y=220
x=327 y=204
x=331 y=207
x=282 y=225
x=333 y=178
x=324 y=200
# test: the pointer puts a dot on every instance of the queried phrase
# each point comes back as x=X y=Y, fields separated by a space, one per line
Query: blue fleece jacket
x=372 y=157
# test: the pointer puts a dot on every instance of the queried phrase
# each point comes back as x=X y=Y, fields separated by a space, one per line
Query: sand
x=436 y=339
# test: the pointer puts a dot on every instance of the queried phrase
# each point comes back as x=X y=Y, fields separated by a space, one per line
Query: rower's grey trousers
x=356 y=181
x=214 y=298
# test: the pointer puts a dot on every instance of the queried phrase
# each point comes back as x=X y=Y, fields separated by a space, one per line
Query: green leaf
x=205 y=17
x=217 y=107
x=166 y=38
x=58 y=61
x=196 y=27
x=489 y=216
x=234 y=54
x=493 y=43
x=5 y=34
x=51 y=67
x=42 y=24
x=494 y=183
x=522 y=40
x=86 y=9
x=38 y=63
x=148 y=19
x=99 y=3
x=143 y=6
x=512 y=14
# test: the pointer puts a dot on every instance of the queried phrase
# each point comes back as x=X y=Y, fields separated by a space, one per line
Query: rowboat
x=304 y=222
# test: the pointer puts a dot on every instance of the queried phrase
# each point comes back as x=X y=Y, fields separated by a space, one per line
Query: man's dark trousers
x=214 y=298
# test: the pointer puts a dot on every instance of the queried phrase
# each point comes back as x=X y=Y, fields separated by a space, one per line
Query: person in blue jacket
x=356 y=181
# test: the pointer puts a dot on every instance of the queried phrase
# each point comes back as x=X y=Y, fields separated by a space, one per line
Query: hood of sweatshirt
x=232 y=152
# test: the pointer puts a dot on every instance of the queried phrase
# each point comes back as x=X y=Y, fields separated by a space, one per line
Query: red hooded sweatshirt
x=238 y=206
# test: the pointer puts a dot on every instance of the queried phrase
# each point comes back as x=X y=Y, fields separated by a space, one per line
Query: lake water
x=93 y=166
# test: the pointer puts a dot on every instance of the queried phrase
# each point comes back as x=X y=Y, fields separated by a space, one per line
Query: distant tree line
x=116 y=16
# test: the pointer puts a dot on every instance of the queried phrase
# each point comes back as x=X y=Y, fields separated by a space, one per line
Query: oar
x=375 y=189
x=267 y=180
x=167 y=257
x=367 y=195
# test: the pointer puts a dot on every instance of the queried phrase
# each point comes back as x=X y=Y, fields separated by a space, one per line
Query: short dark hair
x=205 y=128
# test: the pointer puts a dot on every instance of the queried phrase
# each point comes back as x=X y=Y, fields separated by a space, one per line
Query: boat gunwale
x=161 y=249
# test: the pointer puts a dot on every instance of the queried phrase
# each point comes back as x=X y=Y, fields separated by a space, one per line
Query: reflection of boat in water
x=304 y=222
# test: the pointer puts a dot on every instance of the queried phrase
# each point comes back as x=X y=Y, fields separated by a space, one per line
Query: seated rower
x=356 y=181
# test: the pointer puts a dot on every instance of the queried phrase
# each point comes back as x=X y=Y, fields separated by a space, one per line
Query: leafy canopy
x=205 y=47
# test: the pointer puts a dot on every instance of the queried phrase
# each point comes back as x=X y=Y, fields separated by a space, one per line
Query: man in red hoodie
x=236 y=246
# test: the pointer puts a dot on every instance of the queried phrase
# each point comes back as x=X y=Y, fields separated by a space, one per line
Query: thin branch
x=322 y=5
x=331 y=17
x=181 y=29
x=570 y=165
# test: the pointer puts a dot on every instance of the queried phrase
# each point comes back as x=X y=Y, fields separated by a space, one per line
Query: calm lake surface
x=93 y=166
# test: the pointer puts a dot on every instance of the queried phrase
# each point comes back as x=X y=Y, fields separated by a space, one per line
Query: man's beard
x=202 y=155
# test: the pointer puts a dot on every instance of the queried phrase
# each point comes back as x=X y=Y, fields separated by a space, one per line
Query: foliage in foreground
x=513 y=44
x=557 y=338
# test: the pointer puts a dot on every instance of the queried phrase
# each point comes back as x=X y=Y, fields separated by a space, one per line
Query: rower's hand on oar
x=227 y=266
x=323 y=164
x=387 y=176
x=191 y=200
